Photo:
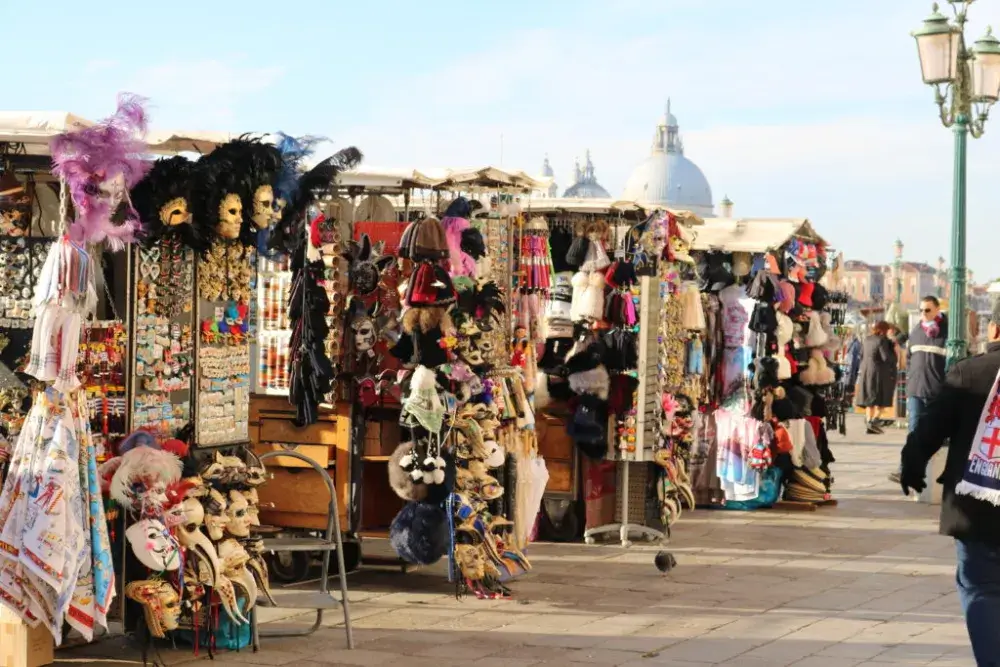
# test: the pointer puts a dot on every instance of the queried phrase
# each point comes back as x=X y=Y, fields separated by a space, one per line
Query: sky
x=791 y=108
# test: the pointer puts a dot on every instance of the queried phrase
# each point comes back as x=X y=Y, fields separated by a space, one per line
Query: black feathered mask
x=365 y=265
x=163 y=201
x=234 y=191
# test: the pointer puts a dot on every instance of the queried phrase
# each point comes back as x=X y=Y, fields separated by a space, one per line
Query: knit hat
x=424 y=240
x=423 y=405
x=429 y=286
x=787 y=293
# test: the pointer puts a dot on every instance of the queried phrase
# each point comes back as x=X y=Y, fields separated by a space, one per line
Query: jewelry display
x=223 y=394
x=102 y=374
x=21 y=261
x=163 y=345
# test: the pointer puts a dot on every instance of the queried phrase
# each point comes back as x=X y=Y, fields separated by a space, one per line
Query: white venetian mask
x=153 y=545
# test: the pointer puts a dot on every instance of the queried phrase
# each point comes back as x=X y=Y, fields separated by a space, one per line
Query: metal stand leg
x=342 y=569
x=623 y=527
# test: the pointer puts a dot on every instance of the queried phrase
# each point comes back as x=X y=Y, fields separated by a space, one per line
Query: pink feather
x=87 y=158
x=462 y=264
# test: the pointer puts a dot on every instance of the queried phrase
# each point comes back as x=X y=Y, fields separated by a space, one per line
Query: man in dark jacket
x=954 y=415
x=925 y=361
x=925 y=358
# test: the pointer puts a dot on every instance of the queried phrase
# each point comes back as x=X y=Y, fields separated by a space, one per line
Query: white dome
x=666 y=177
x=670 y=179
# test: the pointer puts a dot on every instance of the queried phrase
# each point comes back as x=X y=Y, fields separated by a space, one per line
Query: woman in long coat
x=877 y=376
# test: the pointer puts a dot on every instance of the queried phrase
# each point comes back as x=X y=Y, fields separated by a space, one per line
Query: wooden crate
x=22 y=645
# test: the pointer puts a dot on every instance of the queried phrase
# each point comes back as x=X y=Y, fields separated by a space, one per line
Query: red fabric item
x=816 y=423
x=314 y=236
x=791 y=360
x=782 y=441
x=423 y=292
x=806 y=294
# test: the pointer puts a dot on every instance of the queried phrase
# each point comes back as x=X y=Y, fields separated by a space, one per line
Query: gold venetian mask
x=230 y=216
x=161 y=604
x=175 y=212
x=263 y=207
x=471 y=561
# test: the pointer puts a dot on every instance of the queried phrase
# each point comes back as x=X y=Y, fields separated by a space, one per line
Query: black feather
x=289 y=232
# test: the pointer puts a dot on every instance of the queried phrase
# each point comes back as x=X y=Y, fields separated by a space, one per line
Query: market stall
x=164 y=254
x=452 y=337
x=762 y=329
x=600 y=366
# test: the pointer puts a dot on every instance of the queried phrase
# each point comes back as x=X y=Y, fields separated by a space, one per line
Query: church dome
x=667 y=177
x=585 y=185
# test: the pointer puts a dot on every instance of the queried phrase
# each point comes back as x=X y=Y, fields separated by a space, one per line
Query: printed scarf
x=981 y=479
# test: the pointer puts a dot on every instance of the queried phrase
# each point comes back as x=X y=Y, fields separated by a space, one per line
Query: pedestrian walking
x=877 y=375
x=966 y=412
x=925 y=361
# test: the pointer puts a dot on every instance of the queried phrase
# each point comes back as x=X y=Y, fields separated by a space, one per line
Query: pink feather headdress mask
x=99 y=165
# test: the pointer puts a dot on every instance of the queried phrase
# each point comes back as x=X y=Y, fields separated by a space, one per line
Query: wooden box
x=22 y=645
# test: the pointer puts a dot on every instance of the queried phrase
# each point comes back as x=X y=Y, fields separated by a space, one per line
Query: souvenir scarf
x=55 y=558
x=932 y=328
x=981 y=479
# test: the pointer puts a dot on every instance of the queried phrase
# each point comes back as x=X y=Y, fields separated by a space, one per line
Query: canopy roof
x=602 y=207
x=752 y=234
x=492 y=178
x=34 y=130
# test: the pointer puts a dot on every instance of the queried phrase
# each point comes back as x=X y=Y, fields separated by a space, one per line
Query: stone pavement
x=863 y=584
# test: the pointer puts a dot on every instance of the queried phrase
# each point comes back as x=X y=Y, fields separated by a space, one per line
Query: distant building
x=667 y=177
x=585 y=185
x=865 y=283
x=918 y=280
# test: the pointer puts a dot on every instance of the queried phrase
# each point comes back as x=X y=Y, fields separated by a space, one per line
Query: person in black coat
x=877 y=375
x=954 y=414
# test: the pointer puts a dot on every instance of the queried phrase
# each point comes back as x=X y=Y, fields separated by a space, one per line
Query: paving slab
x=868 y=582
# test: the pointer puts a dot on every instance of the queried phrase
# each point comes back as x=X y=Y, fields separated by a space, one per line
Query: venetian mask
x=161 y=604
x=153 y=545
x=234 y=561
x=195 y=541
x=471 y=561
x=263 y=207
x=468 y=350
x=175 y=212
x=253 y=512
x=216 y=516
x=364 y=334
x=230 y=217
x=493 y=454
x=239 y=518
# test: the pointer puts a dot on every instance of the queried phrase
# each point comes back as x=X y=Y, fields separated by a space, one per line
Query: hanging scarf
x=932 y=328
x=981 y=479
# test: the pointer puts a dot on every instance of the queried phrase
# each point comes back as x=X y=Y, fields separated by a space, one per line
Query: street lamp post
x=966 y=84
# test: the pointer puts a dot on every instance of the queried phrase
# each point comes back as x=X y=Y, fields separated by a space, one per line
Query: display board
x=163 y=345
x=226 y=280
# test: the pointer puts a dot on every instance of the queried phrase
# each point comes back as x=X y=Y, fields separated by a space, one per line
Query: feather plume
x=140 y=464
x=109 y=152
x=288 y=233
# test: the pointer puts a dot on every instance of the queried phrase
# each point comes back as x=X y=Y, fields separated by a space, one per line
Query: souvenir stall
x=597 y=387
x=760 y=335
x=166 y=517
x=467 y=465
x=425 y=357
